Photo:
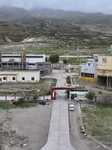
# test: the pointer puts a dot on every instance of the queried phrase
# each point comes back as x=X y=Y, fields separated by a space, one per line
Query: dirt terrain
x=78 y=140
x=28 y=128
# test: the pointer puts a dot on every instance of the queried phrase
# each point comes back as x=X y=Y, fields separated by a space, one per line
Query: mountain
x=13 y=31
x=80 y=18
x=10 y=13
x=71 y=28
x=73 y=16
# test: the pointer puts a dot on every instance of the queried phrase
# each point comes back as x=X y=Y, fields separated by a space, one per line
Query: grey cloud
x=104 y=6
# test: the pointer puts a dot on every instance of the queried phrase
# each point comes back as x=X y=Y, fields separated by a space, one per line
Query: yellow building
x=104 y=71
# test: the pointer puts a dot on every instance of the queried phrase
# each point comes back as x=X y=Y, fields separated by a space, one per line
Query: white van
x=71 y=107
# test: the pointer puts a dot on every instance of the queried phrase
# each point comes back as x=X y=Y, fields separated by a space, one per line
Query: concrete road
x=58 y=138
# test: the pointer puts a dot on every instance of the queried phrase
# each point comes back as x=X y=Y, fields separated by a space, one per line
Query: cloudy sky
x=104 y=6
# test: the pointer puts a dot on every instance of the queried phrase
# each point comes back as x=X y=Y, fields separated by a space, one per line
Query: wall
x=80 y=93
x=8 y=57
x=45 y=67
x=33 y=58
x=105 y=62
x=28 y=75
x=88 y=79
x=30 y=58
x=104 y=65
x=31 y=66
x=90 y=68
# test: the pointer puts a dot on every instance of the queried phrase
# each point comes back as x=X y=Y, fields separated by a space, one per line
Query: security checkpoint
x=53 y=91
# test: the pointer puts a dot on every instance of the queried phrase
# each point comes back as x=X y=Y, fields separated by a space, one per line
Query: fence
x=8 y=98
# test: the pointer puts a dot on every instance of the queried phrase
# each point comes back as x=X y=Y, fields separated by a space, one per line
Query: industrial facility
x=13 y=65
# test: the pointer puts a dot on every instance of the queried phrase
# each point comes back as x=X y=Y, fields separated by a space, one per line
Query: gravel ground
x=78 y=140
x=26 y=128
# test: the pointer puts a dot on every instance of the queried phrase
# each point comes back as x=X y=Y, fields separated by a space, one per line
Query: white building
x=32 y=58
x=27 y=58
x=80 y=94
x=89 y=69
x=17 y=61
x=20 y=76
x=10 y=57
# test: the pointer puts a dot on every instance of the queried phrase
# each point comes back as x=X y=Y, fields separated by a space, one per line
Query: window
x=34 y=56
x=4 y=78
x=104 y=60
x=23 y=78
x=11 y=56
x=31 y=64
x=32 y=78
x=13 y=78
x=40 y=64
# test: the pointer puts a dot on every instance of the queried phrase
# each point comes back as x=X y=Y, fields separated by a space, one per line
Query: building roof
x=33 y=70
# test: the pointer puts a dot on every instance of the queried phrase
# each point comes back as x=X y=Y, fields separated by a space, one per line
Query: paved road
x=58 y=138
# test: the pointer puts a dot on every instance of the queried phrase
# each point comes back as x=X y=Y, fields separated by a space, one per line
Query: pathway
x=58 y=138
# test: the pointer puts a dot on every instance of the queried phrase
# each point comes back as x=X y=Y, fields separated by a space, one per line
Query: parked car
x=14 y=101
x=42 y=103
x=71 y=107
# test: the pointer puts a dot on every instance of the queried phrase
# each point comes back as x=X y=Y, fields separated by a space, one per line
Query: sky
x=89 y=6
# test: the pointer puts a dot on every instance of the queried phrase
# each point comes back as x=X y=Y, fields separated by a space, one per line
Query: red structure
x=53 y=91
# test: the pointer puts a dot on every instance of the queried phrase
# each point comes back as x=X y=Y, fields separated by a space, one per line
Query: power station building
x=23 y=67
x=25 y=62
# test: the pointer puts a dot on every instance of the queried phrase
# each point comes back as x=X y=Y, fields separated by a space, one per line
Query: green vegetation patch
x=54 y=82
x=98 y=121
x=27 y=98
x=68 y=80
x=80 y=88
x=75 y=61
x=8 y=105
x=43 y=86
